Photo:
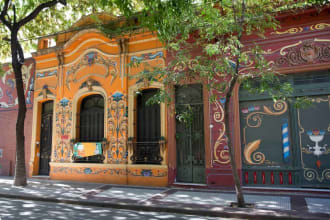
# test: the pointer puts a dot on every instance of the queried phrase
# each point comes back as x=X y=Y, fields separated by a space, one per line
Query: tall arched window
x=91 y=128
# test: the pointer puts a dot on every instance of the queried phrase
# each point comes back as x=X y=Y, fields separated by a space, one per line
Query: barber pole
x=285 y=142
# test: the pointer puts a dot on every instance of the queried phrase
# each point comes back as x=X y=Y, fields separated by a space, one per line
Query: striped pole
x=285 y=142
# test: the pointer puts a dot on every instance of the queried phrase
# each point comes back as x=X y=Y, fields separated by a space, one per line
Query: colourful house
x=84 y=99
x=91 y=121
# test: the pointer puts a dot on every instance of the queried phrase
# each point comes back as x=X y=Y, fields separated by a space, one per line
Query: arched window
x=91 y=128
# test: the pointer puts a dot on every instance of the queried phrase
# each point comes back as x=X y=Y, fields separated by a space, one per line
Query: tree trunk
x=20 y=172
x=237 y=182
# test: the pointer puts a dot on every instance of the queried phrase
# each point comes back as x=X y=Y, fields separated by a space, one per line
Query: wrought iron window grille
x=146 y=152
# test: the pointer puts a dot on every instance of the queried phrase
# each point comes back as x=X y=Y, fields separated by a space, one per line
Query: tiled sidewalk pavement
x=318 y=205
x=213 y=199
x=304 y=205
x=47 y=189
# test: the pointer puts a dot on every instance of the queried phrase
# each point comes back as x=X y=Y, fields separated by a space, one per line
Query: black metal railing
x=146 y=152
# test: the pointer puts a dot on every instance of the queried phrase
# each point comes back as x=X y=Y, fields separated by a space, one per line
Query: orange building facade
x=91 y=121
x=86 y=67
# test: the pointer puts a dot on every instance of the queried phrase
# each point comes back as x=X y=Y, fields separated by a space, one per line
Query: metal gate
x=46 y=137
x=190 y=134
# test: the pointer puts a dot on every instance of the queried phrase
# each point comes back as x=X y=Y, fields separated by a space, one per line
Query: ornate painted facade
x=83 y=64
x=275 y=144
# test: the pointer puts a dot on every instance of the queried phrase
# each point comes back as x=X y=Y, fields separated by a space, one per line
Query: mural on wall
x=294 y=53
x=138 y=60
x=62 y=151
x=304 y=52
x=46 y=74
x=314 y=136
x=220 y=147
x=110 y=171
x=117 y=128
x=8 y=95
x=89 y=171
x=89 y=59
x=257 y=119
x=148 y=56
x=300 y=29
x=147 y=172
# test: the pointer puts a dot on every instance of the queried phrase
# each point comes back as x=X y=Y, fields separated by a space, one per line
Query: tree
x=10 y=19
x=216 y=29
x=21 y=23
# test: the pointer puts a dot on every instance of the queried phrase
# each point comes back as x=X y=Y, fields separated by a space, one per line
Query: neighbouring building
x=91 y=121
x=278 y=145
x=8 y=116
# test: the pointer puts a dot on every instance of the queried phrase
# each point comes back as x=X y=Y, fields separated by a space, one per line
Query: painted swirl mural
x=8 y=95
x=117 y=128
x=62 y=151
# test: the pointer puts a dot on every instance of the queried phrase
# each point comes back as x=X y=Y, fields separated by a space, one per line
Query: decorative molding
x=147 y=56
x=46 y=74
x=220 y=149
x=89 y=171
x=62 y=151
x=89 y=59
x=296 y=30
x=89 y=83
x=304 y=52
x=147 y=173
x=117 y=128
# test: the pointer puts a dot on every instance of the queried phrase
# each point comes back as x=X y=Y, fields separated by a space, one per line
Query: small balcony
x=146 y=152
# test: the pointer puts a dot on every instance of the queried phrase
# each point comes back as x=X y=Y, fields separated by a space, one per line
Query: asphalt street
x=25 y=209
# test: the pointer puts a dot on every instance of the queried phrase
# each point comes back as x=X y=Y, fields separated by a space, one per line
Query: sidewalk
x=215 y=203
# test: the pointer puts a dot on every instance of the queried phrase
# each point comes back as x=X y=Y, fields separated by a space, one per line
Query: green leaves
x=50 y=21
x=213 y=30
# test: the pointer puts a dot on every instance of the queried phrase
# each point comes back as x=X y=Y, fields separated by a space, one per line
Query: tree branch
x=38 y=9
x=20 y=53
x=4 y=13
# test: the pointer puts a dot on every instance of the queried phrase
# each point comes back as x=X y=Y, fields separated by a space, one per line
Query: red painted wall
x=8 y=116
x=8 y=140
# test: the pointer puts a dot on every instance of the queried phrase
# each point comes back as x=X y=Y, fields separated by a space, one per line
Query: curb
x=245 y=213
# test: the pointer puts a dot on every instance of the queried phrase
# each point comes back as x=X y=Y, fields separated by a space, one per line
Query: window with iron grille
x=91 y=127
x=146 y=147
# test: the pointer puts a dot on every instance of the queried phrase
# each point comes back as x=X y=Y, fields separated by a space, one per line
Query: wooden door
x=190 y=134
x=46 y=137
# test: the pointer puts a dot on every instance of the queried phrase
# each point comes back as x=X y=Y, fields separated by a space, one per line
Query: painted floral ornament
x=316 y=136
